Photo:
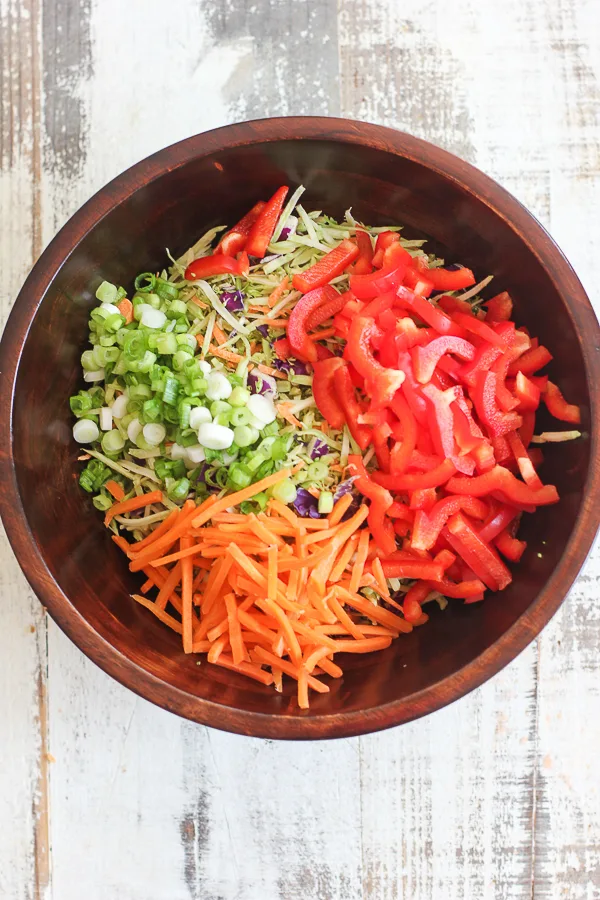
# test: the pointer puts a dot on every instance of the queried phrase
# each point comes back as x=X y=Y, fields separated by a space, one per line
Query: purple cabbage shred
x=291 y=366
x=233 y=301
x=306 y=505
x=317 y=449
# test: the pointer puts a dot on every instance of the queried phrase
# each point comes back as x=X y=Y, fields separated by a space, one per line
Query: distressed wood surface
x=103 y=795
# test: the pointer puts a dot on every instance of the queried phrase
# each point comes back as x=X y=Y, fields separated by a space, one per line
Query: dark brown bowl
x=166 y=201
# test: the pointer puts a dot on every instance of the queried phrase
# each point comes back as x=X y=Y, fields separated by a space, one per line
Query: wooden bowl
x=167 y=201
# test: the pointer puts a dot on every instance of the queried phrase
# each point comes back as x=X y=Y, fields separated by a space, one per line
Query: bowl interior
x=172 y=211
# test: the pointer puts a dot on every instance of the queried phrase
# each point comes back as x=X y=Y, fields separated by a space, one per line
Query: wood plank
x=24 y=815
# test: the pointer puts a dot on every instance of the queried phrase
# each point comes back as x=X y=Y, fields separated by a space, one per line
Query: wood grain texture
x=495 y=798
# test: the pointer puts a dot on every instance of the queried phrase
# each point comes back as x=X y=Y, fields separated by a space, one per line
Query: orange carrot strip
x=252 y=624
x=189 y=550
x=361 y=558
x=377 y=570
x=365 y=629
x=292 y=590
x=200 y=646
x=270 y=659
x=321 y=335
x=115 y=489
x=330 y=668
x=217 y=648
x=315 y=657
x=320 y=574
x=161 y=528
x=344 y=618
x=314 y=636
x=221 y=571
x=257 y=573
x=303 y=688
x=292 y=641
x=320 y=535
x=156 y=577
x=186 y=596
x=277 y=679
x=220 y=335
x=134 y=503
x=374 y=612
x=264 y=532
x=279 y=291
x=365 y=646
x=146 y=586
x=124 y=545
x=125 y=307
x=344 y=558
x=238 y=648
x=272 y=574
x=340 y=508
x=239 y=497
x=278 y=323
x=169 y=586
x=180 y=527
x=244 y=668
x=159 y=613
x=275 y=373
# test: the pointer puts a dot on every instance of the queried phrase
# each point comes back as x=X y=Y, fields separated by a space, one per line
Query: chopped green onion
x=145 y=282
x=285 y=491
x=325 y=502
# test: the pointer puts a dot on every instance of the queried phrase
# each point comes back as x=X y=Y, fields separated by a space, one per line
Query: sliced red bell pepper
x=534 y=359
x=380 y=526
x=441 y=426
x=379 y=305
x=401 y=511
x=234 y=241
x=384 y=240
x=423 y=499
x=366 y=287
x=402 y=452
x=414 y=482
x=461 y=590
x=342 y=326
x=450 y=279
x=262 y=230
x=382 y=383
x=346 y=395
x=558 y=406
x=518 y=344
x=497 y=479
x=323 y=352
x=412 y=389
x=329 y=266
x=412 y=568
x=451 y=305
x=424 y=462
x=527 y=393
x=499 y=308
x=364 y=260
x=483 y=454
x=297 y=333
x=411 y=605
x=386 y=320
x=484 y=358
x=425 y=359
x=502 y=451
x=467 y=432
x=326 y=311
x=426 y=311
x=381 y=435
x=527 y=428
x=499 y=520
x=428 y=525
x=450 y=366
x=484 y=397
x=282 y=348
x=325 y=391
x=477 y=553
x=476 y=326
x=417 y=282
x=217 y=264
x=526 y=467
x=510 y=547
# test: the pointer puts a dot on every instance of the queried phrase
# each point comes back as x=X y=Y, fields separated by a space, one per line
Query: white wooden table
x=105 y=797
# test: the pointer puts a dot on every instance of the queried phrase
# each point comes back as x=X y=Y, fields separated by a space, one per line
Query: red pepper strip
x=380 y=527
x=451 y=305
x=412 y=389
x=427 y=526
x=558 y=406
x=497 y=479
x=476 y=326
x=417 y=282
x=540 y=381
x=484 y=397
x=426 y=311
x=207 y=266
x=510 y=547
x=500 y=520
x=365 y=287
x=408 y=568
x=499 y=308
x=485 y=356
x=381 y=434
x=328 y=267
x=526 y=467
x=527 y=393
x=379 y=305
x=297 y=334
x=425 y=359
x=364 y=261
x=484 y=457
x=527 y=428
x=441 y=427
x=282 y=348
x=325 y=391
x=445 y=558
x=450 y=279
x=326 y=311
x=502 y=451
x=323 y=352
x=381 y=382
x=401 y=528
x=459 y=590
x=410 y=482
x=478 y=555
x=385 y=239
x=519 y=343
x=534 y=359
x=423 y=499
x=346 y=396
x=401 y=511
x=411 y=605
x=467 y=432
x=450 y=366
x=424 y=462
x=342 y=326
x=262 y=230
x=235 y=240
x=402 y=452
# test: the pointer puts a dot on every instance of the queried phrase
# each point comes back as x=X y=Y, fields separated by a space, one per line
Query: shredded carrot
x=159 y=613
x=244 y=668
x=279 y=291
x=361 y=558
x=275 y=373
x=238 y=648
x=134 y=503
x=219 y=334
x=321 y=335
x=125 y=307
x=285 y=412
x=342 y=505
x=115 y=489
x=186 y=596
x=240 y=496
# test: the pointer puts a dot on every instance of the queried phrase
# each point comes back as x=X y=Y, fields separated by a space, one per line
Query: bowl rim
x=120 y=666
